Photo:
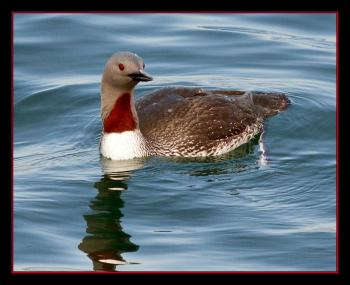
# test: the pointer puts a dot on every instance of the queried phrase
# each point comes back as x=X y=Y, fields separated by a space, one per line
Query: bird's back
x=195 y=122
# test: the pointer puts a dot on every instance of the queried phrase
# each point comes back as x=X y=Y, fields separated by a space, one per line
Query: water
x=245 y=211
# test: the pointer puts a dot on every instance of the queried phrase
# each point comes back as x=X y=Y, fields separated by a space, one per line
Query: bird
x=176 y=121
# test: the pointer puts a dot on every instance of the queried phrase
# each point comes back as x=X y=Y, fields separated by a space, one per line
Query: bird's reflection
x=106 y=240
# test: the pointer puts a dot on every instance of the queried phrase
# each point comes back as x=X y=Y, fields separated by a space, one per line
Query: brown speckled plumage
x=193 y=121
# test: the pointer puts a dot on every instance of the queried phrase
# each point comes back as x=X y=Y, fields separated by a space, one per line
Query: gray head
x=125 y=70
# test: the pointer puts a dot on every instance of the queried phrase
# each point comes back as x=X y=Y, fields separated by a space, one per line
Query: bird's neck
x=118 y=113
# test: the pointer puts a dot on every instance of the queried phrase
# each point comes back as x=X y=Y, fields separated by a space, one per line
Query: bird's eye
x=121 y=66
x=143 y=65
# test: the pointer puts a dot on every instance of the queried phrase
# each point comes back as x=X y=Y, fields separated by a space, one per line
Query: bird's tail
x=270 y=103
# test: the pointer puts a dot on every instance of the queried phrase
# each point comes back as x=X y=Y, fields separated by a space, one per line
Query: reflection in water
x=105 y=240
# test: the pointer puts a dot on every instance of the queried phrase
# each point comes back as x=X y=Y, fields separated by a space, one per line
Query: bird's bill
x=140 y=76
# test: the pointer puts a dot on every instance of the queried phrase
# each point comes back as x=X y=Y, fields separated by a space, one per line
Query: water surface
x=244 y=211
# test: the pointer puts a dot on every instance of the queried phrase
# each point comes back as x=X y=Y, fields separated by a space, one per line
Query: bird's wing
x=194 y=116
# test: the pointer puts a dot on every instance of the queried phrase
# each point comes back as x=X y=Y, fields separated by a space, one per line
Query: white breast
x=125 y=145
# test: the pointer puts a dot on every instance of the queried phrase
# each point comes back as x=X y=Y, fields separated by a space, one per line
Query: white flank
x=112 y=261
x=125 y=145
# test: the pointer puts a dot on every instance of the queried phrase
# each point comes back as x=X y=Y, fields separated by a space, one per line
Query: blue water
x=244 y=211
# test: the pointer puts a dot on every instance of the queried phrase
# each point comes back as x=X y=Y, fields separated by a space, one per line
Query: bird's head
x=124 y=70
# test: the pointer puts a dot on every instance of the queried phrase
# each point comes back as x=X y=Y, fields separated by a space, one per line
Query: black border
x=7 y=277
x=137 y=5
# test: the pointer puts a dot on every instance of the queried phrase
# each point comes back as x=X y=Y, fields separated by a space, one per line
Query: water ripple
x=311 y=42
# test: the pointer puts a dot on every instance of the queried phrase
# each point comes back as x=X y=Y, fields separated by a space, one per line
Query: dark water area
x=243 y=211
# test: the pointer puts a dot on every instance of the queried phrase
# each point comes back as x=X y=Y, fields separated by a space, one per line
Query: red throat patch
x=120 y=119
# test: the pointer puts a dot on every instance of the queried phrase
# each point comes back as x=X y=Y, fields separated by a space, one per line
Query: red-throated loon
x=176 y=121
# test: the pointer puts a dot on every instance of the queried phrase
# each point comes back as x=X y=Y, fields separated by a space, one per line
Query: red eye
x=121 y=66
